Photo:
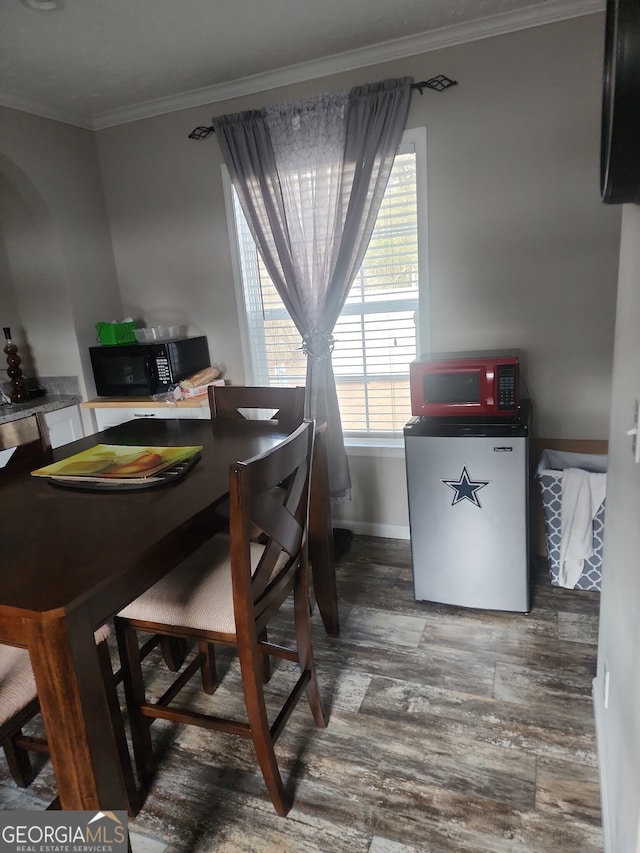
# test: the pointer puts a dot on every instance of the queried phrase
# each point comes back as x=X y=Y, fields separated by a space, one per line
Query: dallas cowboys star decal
x=465 y=488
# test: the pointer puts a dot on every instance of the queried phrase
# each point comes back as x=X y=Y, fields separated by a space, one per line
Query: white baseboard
x=599 y=711
x=366 y=528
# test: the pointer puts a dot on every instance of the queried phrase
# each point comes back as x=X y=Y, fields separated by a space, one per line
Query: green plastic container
x=112 y=334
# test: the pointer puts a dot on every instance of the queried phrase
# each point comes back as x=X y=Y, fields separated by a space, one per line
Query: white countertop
x=140 y=402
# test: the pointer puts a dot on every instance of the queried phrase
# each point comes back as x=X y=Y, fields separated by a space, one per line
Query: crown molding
x=25 y=105
x=549 y=12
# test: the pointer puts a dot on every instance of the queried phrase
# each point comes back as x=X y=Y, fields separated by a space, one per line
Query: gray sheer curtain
x=310 y=178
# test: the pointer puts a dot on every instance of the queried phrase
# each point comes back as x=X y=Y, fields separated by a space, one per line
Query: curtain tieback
x=317 y=344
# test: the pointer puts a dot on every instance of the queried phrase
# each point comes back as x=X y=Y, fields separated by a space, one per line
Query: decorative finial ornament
x=19 y=393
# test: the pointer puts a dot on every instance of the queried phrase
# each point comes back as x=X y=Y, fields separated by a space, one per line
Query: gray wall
x=58 y=275
x=617 y=719
x=522 y=252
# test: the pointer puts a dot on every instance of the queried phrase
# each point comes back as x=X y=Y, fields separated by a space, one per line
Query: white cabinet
x=64 y=425
x=109 y=416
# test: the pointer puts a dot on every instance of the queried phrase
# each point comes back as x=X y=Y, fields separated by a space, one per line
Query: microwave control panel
x=162 y=368
x=507 y=387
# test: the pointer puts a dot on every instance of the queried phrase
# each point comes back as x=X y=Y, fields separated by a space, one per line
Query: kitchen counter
x=111 y=411
x=139 y=402
x=46 y=403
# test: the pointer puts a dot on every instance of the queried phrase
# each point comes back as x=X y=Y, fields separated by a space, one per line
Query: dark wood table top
x=62 y=546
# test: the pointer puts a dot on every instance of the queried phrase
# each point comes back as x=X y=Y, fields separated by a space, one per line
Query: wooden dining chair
x=262 y=402
x=19 y=705
x=285 y=403
x=282 y=403
x=227 y=593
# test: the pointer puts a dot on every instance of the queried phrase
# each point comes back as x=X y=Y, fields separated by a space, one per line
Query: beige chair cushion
x=196 y=594
x=17 y=684
x=102 y=634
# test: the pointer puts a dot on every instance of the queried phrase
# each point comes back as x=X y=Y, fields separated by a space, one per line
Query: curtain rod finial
x=439 y=84
x=201 y=132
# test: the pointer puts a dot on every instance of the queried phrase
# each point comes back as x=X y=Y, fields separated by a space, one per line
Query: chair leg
x=19 y=762
x=174 y=652
x=251 y=668
x=303 y=641
x=208 y=672
x=265 y=659
x=118 y=727
x=135 y=693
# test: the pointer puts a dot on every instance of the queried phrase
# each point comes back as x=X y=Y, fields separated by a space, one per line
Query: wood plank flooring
x=451 y=731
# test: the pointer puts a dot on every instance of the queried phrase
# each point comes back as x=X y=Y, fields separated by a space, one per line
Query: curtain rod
x=438 y=84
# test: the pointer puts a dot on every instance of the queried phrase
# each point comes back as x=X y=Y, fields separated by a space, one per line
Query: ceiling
x=95 y=63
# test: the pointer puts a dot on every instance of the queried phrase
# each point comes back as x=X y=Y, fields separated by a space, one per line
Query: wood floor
x=450 y=731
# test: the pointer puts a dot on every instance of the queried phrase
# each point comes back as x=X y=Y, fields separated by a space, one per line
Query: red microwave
x=465 y=384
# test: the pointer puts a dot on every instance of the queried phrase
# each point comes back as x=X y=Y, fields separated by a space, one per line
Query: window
x=376 y=336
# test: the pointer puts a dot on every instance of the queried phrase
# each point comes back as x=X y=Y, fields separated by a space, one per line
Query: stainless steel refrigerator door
x=469 y=520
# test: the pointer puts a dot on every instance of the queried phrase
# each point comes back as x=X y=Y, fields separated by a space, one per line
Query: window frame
x=413 y=139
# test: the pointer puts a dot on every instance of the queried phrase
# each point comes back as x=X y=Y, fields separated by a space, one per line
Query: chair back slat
x=286 y=403
x=258 y=501
x=274 y=519
x=271 y=564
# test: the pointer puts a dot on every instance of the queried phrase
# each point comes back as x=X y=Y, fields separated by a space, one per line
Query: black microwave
x=132 y=370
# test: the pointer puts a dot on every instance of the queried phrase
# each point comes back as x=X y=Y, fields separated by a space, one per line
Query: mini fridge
x=468 y=491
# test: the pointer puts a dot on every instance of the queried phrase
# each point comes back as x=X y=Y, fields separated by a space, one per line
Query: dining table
x=72 y=558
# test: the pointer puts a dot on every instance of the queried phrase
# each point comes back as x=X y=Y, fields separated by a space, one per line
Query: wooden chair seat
x=198 y=594
x=227 y=593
